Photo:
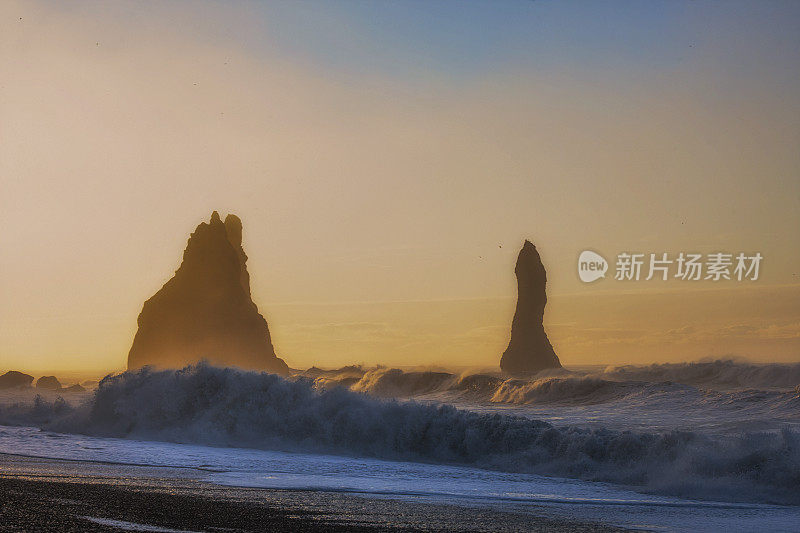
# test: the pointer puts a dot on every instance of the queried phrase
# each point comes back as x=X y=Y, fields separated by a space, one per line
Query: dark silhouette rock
x=48 y=383
x=529 y=350
x=74 y=388
x=205 y=311
x=15 y=380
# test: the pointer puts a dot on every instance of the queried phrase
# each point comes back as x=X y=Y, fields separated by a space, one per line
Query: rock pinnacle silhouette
x=529 y=349
x=205 y=312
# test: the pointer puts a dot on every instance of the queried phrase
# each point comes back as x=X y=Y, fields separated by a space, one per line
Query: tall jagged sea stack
x=205 y=312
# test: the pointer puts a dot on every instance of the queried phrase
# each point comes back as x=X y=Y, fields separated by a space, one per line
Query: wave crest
x=725 y=374
x=394 y=382
x=579 y=390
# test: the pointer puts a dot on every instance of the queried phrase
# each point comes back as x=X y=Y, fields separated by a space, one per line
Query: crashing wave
x=715 y=374
x=578 y=391
x=568 y=387
x=228 y=407
x=394 y=382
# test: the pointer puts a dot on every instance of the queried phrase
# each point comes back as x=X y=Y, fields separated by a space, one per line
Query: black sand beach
x=53 y=495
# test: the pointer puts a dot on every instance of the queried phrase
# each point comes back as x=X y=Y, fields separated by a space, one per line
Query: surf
x=226 y=407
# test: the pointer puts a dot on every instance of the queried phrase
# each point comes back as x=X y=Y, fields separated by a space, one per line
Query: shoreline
x=56 y=495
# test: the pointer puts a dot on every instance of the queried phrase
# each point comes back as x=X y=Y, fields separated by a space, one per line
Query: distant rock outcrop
x=205 y=311
x=529 y=350
x=15 y=380
x=74 y=388
x=48 y=383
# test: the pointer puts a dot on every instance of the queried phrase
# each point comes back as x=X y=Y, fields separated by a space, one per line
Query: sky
x=388 y=159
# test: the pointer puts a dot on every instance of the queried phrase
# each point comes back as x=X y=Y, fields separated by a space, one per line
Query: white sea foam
x=460 y=485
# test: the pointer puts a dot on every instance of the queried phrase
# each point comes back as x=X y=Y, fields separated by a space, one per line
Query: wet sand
x=54 y=495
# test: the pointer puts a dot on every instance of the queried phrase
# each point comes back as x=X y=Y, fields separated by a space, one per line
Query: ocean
x=712 y=445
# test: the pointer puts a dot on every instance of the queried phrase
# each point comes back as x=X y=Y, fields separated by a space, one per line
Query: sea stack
x=529 y=350
x=205 y=312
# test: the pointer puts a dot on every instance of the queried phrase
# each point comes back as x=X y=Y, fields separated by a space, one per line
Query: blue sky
x=460 y=41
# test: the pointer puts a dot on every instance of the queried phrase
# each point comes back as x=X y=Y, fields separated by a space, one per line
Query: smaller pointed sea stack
x=529 y=350
x=205 y=311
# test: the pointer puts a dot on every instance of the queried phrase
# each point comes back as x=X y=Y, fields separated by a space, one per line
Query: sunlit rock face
x=205 y=311
x=529 y=350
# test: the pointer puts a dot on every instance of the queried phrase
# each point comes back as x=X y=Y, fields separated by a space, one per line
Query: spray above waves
x=227 y=407
x=722 y=381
